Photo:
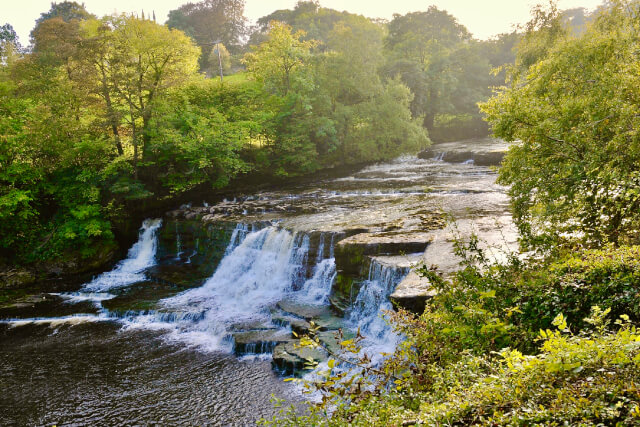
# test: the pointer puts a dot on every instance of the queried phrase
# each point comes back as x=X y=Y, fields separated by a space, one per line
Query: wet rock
x=352 y=254
x=304 y=311
x=329 y=322
x=289 y=358
x=191 y=247
x=481 y=152
x=43 y=305
x=384 y=244
x=16 y=278
x=478 y=159
x=331 y=340
x=412 y=293
x=346 y=288
x=250 y=326
x=259 y=342
x=297 y=325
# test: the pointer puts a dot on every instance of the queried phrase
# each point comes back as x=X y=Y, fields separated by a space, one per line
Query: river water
x=129 y=348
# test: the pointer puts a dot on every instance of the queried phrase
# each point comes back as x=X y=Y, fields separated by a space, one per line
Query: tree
x=67 y=11
x=572 y=108
x=9 y=44
x=364 y=118
x=435 y=57
x=95 y=55
x=317 y=22
x=147 y=59
x=211 y=20
x=283 y=62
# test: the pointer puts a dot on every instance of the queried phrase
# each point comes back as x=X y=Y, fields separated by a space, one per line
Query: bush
x=496 y=347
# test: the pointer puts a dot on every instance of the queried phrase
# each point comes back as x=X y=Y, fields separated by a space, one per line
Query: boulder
x=412 y=293
x=289 y=358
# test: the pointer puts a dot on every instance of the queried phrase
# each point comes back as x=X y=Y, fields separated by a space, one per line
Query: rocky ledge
x=482 y=152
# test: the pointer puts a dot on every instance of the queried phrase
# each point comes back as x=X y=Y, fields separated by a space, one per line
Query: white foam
x=131 y=270
x=54 y=322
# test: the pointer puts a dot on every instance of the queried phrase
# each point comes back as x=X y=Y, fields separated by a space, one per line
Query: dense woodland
x=100 y=115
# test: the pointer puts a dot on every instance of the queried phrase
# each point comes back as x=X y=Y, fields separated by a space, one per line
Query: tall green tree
x=147 y=59
x=283 y=62
x=66 y=11
x=435 y=57
x=572 y=113
x=207 y=21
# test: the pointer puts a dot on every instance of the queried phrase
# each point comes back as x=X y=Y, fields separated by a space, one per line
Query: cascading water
x=316 y=290
x=140 y=257
x=258 y=271
x=367 y=312
x=239 y=233
x=178 y=242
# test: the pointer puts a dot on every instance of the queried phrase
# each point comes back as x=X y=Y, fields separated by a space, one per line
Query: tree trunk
x=135 y=146
x=113 y=122
x=146 y=138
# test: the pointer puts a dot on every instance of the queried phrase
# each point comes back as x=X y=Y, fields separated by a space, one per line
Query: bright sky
x=484 y=18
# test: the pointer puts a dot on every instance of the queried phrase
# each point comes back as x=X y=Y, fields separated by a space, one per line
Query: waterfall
x=265 y=267
x=178 y=242
x=238 y=235
x=372 y=300
x=131 y=270
x=320 y=253
x=316 y=290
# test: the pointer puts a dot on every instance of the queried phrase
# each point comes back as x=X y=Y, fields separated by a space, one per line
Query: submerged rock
x=289 y=358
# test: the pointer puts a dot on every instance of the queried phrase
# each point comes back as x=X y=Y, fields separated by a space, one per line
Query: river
x=195 y=325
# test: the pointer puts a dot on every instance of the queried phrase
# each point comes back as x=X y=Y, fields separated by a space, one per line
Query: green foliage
x=207 y=21
x=282 y=63
x=571 y=107
x=331 y=107
x=444 y=68
x=195 y=144
x=479 y=354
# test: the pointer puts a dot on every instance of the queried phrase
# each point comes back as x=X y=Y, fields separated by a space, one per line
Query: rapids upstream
x=195 y=325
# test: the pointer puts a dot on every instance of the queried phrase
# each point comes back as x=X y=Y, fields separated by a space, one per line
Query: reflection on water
x=89 y=374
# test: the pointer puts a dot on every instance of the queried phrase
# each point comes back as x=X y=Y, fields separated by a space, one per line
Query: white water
x=54 y=322
x=257 y=272
x=260 y=268
x=367 y=312
x=131 y=270
x=317 y=289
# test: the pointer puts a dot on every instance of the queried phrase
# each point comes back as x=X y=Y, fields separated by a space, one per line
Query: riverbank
x=239 y=277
